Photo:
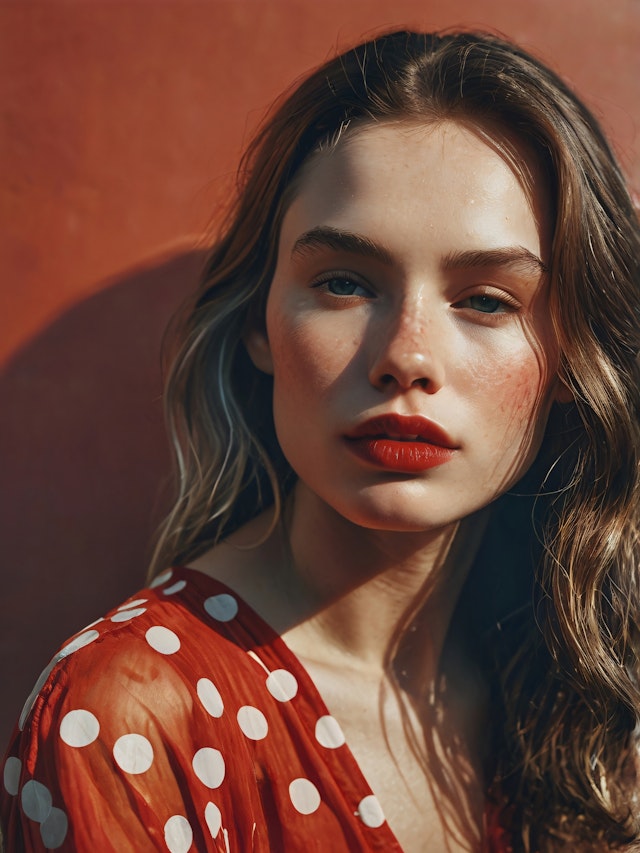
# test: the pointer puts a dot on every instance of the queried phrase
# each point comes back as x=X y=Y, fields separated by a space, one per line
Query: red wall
x=121 y=125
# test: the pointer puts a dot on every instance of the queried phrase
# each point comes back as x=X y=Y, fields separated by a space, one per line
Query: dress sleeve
x=106 y=761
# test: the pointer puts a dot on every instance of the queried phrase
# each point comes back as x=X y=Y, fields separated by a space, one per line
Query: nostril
x=395 y=365
x=388 y=379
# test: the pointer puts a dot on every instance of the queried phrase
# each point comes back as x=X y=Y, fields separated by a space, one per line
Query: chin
x=397 y=519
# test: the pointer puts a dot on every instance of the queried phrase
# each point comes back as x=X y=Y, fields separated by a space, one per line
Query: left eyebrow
x=512 y=256
x=326 y=237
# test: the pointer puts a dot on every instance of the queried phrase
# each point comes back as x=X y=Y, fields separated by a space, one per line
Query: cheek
x=513 y=397
x=308 y=358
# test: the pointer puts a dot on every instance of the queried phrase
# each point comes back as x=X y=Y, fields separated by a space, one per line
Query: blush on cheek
x=514 y=418
x=509 y=386
x=518 y=402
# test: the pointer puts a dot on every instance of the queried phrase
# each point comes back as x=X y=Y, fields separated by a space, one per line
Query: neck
x=355 y=589
x=341 y=594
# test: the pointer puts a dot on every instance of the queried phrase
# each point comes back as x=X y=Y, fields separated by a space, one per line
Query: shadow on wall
x=84 y=464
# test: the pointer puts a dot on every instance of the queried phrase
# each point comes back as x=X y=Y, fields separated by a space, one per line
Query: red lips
x=401 y=443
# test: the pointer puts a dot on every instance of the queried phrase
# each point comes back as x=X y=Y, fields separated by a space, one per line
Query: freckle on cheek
x=517 y=389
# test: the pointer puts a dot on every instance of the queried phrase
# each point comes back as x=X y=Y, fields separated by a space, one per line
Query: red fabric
x=182 y=722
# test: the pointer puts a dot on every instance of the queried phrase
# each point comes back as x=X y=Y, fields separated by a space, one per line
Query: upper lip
x=403 y=427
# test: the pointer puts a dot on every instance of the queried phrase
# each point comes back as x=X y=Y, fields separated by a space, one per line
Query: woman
x=405 y=409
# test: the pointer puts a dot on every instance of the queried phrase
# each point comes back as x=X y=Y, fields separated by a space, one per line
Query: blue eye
x=339 y=286
x=485 y=304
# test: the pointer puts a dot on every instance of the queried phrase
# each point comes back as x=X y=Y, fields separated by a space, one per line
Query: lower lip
x=406 y=456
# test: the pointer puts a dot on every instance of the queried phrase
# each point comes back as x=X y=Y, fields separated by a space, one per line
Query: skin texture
x=405 y=332
x=410 y=280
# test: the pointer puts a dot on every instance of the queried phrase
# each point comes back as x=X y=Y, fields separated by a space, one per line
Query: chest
x=403 y=765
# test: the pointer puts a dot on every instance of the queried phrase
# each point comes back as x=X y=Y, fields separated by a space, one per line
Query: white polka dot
x=328 y=732
x=163 y=640
x=304 y=796
x=178 y=586
x=178 y=835
x=213 y=818
x=282 y=685
x=163 y=577
x=252 y=722
x=125 y=615
x=210 y=697
x=79 y=728
x=221 y=607
x=36 y=800
x=370 y=812
x=133 y=753
x=131 y=604
x=208 y=765
x=54 y=829
x=78 y=642
x=12 y=770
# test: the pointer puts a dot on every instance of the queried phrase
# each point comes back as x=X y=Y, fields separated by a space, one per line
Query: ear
x=257 y=345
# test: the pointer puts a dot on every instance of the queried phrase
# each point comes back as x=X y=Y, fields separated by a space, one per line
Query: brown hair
x=561 y=759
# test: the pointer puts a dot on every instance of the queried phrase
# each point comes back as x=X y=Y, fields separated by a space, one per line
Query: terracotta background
x=120 y=127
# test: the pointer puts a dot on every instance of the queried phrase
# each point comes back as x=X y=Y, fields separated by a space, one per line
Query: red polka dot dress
x=182 y=722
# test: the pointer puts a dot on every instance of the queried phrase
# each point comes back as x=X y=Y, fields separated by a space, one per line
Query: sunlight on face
x=407 y=327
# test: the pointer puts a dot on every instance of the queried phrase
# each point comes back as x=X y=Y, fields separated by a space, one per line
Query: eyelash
x=506 y=303
x=344 y=277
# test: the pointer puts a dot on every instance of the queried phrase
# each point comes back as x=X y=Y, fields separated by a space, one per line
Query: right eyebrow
x=326 y=237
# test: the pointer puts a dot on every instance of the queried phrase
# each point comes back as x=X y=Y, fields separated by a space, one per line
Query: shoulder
x=123 y=715
x=150 y=651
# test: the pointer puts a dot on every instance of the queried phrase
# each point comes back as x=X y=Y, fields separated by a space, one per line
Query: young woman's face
x=407 y=327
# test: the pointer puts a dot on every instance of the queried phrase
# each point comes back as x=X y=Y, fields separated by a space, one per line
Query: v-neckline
x=254 y=622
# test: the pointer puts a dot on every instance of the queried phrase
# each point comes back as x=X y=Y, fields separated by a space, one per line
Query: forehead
x=395 y=175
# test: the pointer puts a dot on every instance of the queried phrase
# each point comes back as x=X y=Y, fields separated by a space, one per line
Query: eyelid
x=345 y=275
x=491 y=292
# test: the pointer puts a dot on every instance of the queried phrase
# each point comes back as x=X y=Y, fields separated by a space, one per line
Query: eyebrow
x=327 y=237
x=511 y=256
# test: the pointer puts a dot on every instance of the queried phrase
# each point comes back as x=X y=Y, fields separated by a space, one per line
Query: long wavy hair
x=562 y=747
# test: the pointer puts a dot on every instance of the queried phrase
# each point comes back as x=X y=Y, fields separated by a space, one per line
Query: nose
x=406 y=354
